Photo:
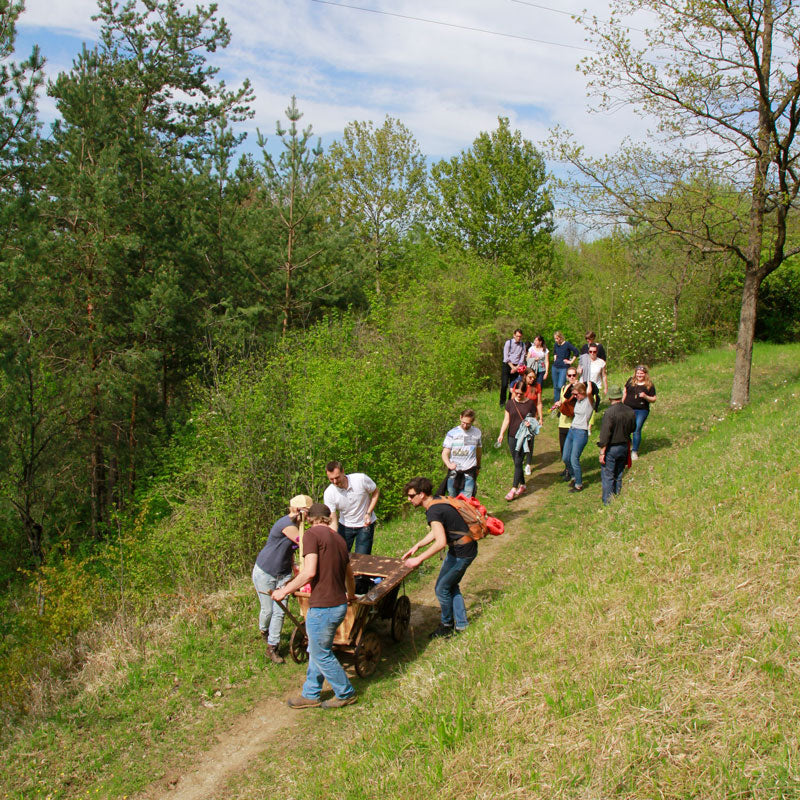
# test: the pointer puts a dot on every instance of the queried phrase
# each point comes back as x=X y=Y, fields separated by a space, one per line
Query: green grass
x=645 y=650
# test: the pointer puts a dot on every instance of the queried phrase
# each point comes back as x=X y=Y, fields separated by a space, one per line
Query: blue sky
x=445 y=83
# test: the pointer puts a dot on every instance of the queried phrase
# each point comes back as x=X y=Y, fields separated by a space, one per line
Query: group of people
x=576 y=400
x=326 y=532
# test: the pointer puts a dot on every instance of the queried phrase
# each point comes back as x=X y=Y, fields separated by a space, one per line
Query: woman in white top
x=594 y=369
x=538 y=359
x=578 y=435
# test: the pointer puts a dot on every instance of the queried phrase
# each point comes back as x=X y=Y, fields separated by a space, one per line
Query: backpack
x=474 y=514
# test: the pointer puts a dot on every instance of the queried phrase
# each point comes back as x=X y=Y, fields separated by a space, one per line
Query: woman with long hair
x=639 y=394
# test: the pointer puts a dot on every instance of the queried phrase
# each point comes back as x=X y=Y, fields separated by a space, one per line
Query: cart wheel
x=298 y=644
x=401 y=618
x=367 y=654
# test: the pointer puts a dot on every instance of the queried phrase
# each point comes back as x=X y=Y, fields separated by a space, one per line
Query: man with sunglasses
x=447 y=529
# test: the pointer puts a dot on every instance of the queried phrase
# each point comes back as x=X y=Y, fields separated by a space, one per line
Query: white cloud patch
x=445 y=83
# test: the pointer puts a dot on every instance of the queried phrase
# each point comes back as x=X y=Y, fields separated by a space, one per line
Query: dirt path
x=251 y=733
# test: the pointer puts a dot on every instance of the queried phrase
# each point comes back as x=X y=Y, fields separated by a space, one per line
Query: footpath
x=237 y=749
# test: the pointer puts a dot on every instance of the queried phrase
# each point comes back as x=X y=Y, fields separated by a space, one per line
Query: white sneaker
x=634 y=455
x=527 y=469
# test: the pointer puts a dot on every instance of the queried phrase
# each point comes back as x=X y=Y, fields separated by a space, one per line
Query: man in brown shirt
x=326 y=566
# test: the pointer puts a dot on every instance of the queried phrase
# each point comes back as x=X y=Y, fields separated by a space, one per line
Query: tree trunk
x=740 y=394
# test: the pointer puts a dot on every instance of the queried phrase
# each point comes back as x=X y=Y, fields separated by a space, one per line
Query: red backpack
x=474 y=514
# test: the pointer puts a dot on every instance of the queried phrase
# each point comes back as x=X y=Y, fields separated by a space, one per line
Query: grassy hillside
x=647 y=649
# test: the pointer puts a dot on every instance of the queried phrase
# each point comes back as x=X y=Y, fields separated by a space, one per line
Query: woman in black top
x=517 y=408
x=639 y=394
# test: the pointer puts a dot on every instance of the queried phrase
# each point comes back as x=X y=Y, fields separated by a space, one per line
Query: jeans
x=361 y=536
x=519 y=457
x=448 y=591
x=469 y=485
x=559 y=379
x=611 y=471
x=271 y=615
x=636 y=438
x=540 y=377
x=573 y=447
x=321 y=625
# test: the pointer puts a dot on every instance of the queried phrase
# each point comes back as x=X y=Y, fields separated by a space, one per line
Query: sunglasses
x=411 y=495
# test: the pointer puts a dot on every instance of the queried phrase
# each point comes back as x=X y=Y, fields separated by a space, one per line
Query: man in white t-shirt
x=352 y=499
x=461 y=453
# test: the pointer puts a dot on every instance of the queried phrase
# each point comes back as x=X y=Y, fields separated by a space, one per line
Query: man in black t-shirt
x=447 y=529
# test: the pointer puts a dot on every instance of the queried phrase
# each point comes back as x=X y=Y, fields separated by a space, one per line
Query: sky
x=444 y=82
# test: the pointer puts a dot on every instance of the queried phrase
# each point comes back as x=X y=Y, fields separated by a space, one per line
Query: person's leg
x=518 y=457
x=611 y=472
x=559 y=379
x=579 y=439
x=566 y=450
x=540 y=378
x=505 y=379
x=364 y=537
x=620 y=461
x=348 y=534
x=636 y=438
x=562 y=437
x=607 y=477
x=451 y=483
x=469 y=485
x=276 y=623
x=448 y=591
x=264 y=584
x=321 y=625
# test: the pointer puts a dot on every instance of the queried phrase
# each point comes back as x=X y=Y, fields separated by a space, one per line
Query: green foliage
x=493 y=200
x=779 y=304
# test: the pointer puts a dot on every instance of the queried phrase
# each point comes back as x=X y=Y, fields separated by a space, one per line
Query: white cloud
x=445 y=83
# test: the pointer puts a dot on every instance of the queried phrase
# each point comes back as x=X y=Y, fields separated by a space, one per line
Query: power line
x=571 y=14
x=451 y=25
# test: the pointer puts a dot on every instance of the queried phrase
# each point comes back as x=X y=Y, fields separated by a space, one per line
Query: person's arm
x=446 y=458
x=539 y=408
x=624 y=392
x=507 y=352
x=334 y=524
x=371 y=507
x=291 y=532
x=504 y=426
x=437 y=540
x=605 y=380
x=308 y=571
x=546 y=364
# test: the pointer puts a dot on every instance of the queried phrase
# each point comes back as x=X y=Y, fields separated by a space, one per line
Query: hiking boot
x=512 y=493
x=301 y=701
x=274 y=656
x=571 y=482
x=576 y=489
x=339 y=702
x=527 y=469
x=442 y=632
x=634 y=455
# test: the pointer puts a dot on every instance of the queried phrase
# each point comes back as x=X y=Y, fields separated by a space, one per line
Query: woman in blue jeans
x=639 y=394
x=578 y=435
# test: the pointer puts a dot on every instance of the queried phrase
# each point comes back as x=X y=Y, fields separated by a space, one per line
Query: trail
x=236 y=748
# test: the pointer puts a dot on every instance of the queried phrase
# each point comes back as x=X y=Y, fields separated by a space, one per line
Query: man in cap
x=326 y=566
x=619 y=422
x=273 y=568
x=352 y=499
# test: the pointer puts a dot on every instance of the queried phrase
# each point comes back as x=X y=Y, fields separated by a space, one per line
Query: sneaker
x=571 y=482
x=576 y=489
x=339 y=702
x=512 y=493
x=527 y=469
x=274 y=656
x=520 y=490
x=442 y=632
x=634 y=455
x=301 y=701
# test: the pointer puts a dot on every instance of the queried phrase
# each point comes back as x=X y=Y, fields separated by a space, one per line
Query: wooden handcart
x=382 y=601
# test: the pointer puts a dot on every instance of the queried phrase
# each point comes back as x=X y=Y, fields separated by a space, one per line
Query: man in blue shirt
x=513 y=358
